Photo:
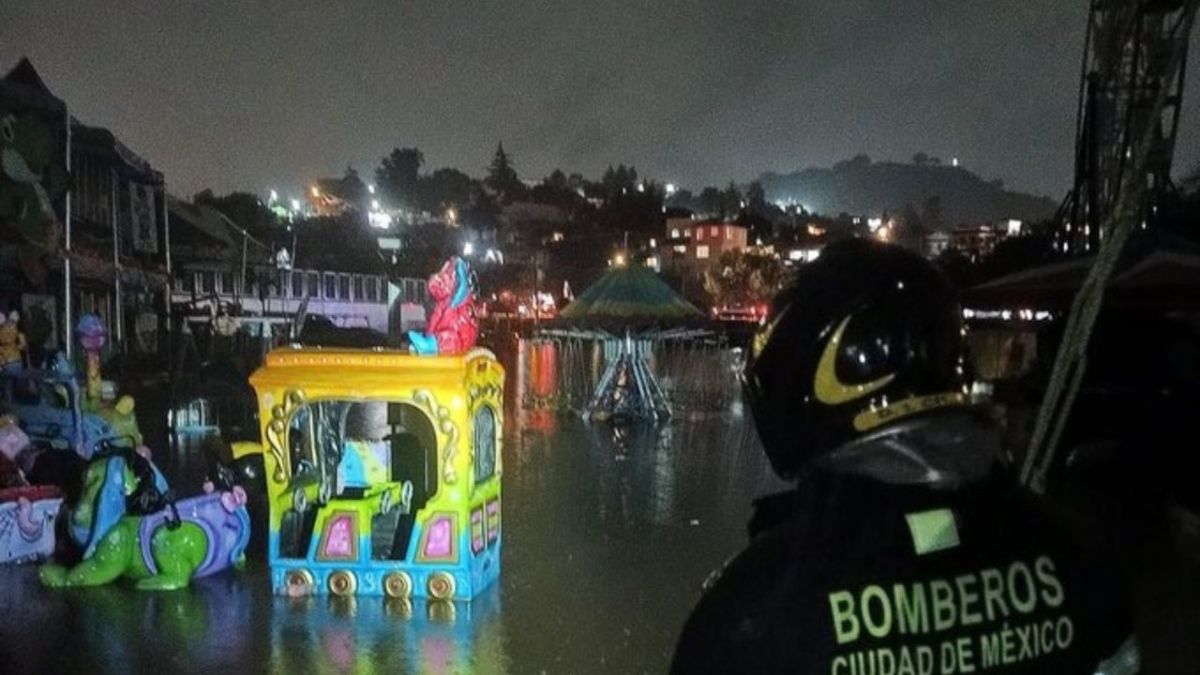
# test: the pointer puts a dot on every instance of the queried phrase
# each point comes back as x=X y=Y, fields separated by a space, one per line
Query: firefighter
x=906 y=547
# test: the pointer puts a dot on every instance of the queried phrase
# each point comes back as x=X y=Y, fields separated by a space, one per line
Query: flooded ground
x=608 y=538
x=609 y=535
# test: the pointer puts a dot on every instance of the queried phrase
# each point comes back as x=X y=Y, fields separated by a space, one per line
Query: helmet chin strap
x=942 y=450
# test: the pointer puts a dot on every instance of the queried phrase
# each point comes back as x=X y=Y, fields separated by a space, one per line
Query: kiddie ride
x=383 y=467
x=128 y=525
x=53 y=428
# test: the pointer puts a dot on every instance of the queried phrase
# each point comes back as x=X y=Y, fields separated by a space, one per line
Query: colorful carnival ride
x=383 y=467
x=161 y=546
x=383 y=471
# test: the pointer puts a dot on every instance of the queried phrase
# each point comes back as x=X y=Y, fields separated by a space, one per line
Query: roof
x=24 y=84
x=102 y=142
x=1158 y=273
x=206 y=221
x=628 y=295
x=362 y=372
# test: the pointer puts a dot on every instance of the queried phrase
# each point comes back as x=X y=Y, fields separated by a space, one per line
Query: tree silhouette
x=502 y=177
x=398 y=176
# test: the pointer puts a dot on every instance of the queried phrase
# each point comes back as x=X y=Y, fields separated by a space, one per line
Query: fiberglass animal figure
x=12 y=343
x=162 y=550
x=452 y=328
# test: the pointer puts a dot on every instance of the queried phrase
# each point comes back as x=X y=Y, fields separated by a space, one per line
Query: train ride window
x=485 y=444
x=348 y=446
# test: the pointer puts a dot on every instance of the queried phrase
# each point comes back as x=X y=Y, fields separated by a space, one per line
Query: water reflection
x=609 y=532
x=370 y=635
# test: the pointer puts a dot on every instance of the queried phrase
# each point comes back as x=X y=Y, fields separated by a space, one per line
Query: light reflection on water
x=608 y=535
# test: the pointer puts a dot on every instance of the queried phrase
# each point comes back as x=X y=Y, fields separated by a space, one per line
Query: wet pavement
x=608 y=539
x=609 y=534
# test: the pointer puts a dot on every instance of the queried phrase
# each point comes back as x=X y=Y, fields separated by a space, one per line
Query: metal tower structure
x=1134 y=51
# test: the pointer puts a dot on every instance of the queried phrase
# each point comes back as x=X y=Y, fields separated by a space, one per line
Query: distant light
x=652 y=262
x=954 y=162
x=1014 y=227
x=619 y=259
x=274 y=196
x=295 y=204
x=315 y=191
x=557 y=236
x=641 y=187
x=468 y=248
x=452 y=215
x=379 y=219
x=375 y=204
x=670 y=188
x=653 y=242
x=371 y=189
x=874 y=223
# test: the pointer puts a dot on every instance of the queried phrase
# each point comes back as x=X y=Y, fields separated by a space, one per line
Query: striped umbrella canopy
x=630 y=295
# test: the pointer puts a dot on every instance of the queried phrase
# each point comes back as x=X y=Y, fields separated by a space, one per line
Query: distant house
x=975 y=241
x=702 y=243
x=710 y=240
x=678 y=224
x=936 y=243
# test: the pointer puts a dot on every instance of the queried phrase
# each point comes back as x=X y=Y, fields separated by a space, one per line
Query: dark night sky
x=229 y=96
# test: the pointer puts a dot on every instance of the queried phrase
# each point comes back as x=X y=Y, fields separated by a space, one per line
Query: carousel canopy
x=630 y=295
x=1158 y=273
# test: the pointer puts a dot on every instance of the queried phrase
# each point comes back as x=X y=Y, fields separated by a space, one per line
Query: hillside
x=861 y=186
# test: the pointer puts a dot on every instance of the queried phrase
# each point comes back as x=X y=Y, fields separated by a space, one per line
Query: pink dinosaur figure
x=452 y=328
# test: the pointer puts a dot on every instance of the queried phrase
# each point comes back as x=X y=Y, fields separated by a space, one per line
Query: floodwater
x=609 y=536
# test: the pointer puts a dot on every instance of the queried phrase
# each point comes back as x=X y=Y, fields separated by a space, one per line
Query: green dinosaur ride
x=163 y=550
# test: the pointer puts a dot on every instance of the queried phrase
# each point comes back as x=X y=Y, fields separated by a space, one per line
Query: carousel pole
x=67 y=318
x=118 y=309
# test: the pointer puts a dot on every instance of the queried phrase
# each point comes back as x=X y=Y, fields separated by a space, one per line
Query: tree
x=756 y=198
x=398 y=176
x=502 y=177
x=740 y=279
x=712 y=201
x=619 y=181
x=557 y=180
x=731 y=201
x=920 y=159
x=443 y=189
x=245 y=210
x=423 y=249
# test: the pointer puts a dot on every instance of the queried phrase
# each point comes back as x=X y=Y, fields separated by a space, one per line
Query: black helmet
x=865 y=335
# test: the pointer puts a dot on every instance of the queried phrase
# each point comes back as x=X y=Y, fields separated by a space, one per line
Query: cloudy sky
x=253 y=96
